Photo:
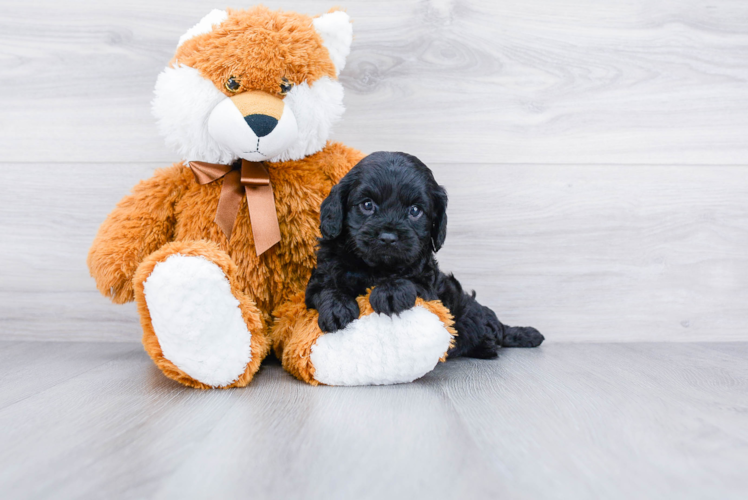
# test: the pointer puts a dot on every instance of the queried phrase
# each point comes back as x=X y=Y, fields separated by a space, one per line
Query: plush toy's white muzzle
x=253 y=136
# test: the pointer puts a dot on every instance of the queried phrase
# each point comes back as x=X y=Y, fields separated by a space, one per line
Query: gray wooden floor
x=656 y=420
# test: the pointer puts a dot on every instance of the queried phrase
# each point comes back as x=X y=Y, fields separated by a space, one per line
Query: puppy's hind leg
x=476 y=337
x=480 y=334
x=514 y=336
x=522 y=336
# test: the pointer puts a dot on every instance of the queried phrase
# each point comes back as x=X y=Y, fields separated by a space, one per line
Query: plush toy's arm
x=141 y=223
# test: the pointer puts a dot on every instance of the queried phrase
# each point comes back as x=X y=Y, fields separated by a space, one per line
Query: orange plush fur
x=172 y=207
x=288 y=47
x=170 y=213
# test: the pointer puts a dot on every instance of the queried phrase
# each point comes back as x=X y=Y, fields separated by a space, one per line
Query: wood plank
x=102 y=433
x=561 y=421
x=452 y=81
x=30 y=368
x=67 y=315
x=49 y=221
x=611 y=252
x=366 y=443
x=123 y=420
x=583 y=253
x=583 y=420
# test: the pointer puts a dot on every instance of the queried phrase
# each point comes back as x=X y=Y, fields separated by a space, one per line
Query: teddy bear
x=217 y=249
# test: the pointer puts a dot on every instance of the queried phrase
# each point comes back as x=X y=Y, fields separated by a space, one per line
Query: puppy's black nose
x=261 y=125
x=388 y=238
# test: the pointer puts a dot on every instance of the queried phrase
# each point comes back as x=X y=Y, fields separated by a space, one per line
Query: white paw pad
x=380 y=350
x=197 y=319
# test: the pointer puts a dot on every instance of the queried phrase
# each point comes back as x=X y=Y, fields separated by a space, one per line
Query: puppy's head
x=388 y=210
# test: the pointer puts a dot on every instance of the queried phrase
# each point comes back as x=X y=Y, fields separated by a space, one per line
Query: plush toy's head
x=255 y=84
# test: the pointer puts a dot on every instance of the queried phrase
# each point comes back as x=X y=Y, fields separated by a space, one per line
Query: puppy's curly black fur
x=381 y=225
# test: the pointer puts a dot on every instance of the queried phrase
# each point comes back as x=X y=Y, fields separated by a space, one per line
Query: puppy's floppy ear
x=332 y=211
x=439 y=223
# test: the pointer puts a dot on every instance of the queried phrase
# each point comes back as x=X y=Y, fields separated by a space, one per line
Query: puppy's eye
x=233 y=85
x=367 y=207
x=285 y=86
x=414 y=212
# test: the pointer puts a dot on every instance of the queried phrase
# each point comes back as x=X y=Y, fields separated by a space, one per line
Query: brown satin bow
x=254 y=179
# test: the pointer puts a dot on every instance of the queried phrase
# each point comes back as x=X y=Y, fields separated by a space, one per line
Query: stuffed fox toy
x=217 y=249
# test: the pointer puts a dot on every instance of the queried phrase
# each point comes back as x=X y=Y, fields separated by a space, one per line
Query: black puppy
x=381 y=225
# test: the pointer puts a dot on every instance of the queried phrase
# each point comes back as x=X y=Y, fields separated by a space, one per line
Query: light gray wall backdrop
x=595 y=152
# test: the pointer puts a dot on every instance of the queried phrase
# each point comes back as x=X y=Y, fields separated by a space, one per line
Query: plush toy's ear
x=337 y=35
x=439 y=227
x=332 y=211
x=205 y=25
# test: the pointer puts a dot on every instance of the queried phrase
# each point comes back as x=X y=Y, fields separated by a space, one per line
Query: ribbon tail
x=263 y=216
x=229 y=202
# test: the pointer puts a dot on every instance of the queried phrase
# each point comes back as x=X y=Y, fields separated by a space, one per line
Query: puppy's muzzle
x=388 y=238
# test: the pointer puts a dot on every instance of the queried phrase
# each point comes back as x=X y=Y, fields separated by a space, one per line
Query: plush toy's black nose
x=388 y=238
x=261 y=125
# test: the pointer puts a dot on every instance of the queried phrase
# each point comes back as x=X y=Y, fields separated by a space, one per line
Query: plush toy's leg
x=198 y=327
x=373 y=350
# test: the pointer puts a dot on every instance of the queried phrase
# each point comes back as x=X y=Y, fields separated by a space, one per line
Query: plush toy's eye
x=415 y=212
x=285 y=86
x=232 y=84
x=367 y=207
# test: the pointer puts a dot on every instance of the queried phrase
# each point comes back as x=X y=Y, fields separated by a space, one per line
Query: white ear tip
x=339 y=16
x=337 y=34
x=206 y=24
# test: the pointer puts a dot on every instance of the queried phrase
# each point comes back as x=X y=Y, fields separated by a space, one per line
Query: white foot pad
x=197 y=319
x=380 y=350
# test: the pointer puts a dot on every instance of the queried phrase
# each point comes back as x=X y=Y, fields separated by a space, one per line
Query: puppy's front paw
x=393 y=297
x=336 y=312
